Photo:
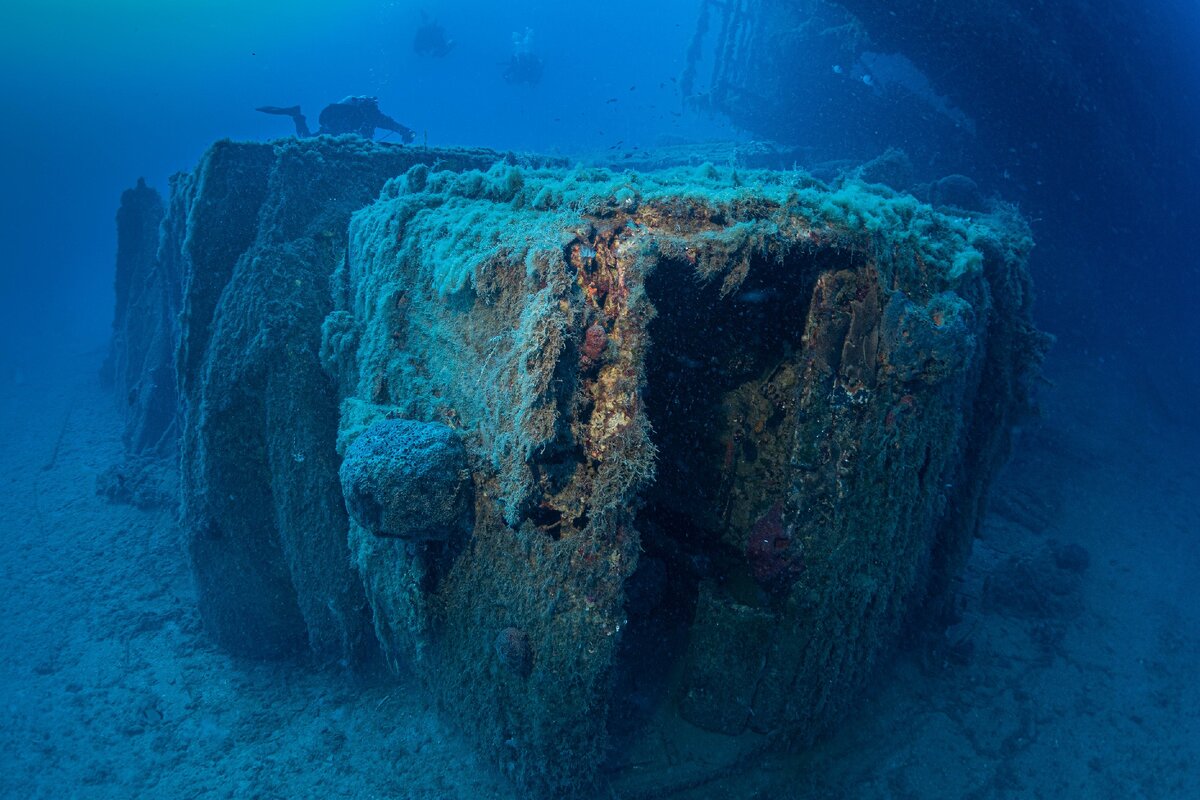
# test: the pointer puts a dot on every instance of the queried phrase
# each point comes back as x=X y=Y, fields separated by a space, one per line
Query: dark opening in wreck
x=722 y=377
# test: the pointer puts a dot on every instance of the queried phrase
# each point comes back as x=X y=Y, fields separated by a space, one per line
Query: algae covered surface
x=584 y=452
x=753 y=388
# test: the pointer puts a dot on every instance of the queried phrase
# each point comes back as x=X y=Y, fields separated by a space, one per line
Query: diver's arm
x=388 y=124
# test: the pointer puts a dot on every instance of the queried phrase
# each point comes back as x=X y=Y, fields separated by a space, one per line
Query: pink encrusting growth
x=775 y=561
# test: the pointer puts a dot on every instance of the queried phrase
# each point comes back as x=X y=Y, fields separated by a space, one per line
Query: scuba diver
x=357 y=114
x=524 y=66
x=431 y=39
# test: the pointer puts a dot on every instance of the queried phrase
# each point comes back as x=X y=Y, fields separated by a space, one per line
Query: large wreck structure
x=581 y=448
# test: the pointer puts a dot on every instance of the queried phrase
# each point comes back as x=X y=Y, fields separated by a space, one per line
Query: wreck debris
x=409 y=480
x=765 y=383
x=140 y=366
x=785 y=398
x=257 y=230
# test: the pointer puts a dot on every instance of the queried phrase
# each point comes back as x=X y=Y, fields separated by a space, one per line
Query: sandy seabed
x=1071 y=673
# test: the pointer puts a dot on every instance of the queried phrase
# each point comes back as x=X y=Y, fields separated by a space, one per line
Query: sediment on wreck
x=582 y=449
x=725 y=433
x=256 y=231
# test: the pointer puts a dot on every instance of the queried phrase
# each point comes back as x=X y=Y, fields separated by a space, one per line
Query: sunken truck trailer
x=588 y=453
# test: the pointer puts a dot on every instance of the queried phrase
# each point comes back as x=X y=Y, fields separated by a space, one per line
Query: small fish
x=755 y=296
x=611 y=100
x=631 y=88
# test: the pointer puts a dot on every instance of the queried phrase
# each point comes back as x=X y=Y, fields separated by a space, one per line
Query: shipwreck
x=579 y=448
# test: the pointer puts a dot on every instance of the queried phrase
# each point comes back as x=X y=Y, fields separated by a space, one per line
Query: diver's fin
x=290 y=111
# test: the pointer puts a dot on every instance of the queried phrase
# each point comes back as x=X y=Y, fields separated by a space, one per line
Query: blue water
x=96 y=95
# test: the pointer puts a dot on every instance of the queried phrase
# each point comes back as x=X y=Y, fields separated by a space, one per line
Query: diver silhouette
x=524 y=66
x=431 y=39
x=356 y=114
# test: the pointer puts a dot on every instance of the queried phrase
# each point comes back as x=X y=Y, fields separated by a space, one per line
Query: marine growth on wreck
x=583 y=448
